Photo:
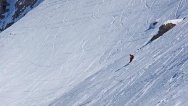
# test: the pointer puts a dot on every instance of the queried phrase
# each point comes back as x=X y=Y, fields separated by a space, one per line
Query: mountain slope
x=75 y=53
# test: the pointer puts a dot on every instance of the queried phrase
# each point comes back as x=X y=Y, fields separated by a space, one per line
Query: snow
x=75 y=53
x=174 y=21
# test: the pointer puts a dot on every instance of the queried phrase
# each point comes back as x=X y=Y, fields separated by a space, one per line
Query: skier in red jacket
x=131 y=58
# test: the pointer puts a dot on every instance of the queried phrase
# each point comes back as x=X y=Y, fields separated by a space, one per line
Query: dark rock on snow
x=12 y=11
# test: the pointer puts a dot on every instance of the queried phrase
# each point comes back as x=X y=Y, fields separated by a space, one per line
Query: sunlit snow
x=76 y=53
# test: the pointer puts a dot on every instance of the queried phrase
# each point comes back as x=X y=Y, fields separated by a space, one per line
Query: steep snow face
x=12 y=10
x=76 y=53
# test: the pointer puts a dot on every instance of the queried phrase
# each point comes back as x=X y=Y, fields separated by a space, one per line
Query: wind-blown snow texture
x=75 y=53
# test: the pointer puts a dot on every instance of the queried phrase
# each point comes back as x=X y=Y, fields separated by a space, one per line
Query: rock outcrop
x=166 y=27
x=10 y=12
x=163 y=29
x=3 y=8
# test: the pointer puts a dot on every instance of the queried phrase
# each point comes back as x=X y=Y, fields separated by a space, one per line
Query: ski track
x=97 y=73
x=176 y=13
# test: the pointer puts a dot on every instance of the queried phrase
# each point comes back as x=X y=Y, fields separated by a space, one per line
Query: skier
x=131 y=58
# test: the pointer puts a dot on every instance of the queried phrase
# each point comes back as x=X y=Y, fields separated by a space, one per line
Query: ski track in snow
x=76 y=53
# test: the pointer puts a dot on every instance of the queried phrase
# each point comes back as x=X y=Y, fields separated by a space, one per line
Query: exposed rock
x=3 y=8
x=163 y=29
x=152 y=25
x=9 y=24
x=22 y=5
x=12 y=11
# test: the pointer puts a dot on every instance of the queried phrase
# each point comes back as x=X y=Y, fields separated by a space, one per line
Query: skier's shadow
x=149 y=42
x=122 y=67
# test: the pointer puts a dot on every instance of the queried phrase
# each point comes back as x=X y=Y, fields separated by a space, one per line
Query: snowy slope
x=75 y=53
